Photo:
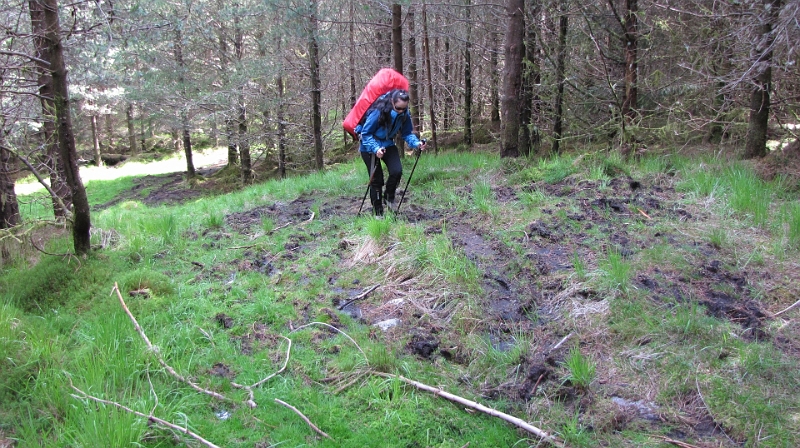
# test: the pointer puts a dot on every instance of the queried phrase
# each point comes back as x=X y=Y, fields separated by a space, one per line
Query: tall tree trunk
x=243 y=138
x=81 y=222
x=468 y=78
x=352 y=62
x=427 y=50
x=54 y=163
x=561 y=58
x=184 y=114
x=512 y=77
x=224 y=62
x=316 y=86
x=529 y=135
x=233 y=150
x=413 y=76
x=448 y=97
x=494 y=93
x=9 y=207
x=281 y=127
x=131 y=128
x=631 y=26
x=397 y=36
x=756 y=145
x=98 y=160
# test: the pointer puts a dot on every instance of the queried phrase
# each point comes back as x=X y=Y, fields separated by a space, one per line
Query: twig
x=251 y=400
x=150 y=418
x=349 y=383
x=333 y=328
x=359 y=297
x=643 y=213
x=676 y=442
x=305 y=419
x=787 y=309
x=478 y=407
x=700 y=394
x=560 y=343
x=158 y=355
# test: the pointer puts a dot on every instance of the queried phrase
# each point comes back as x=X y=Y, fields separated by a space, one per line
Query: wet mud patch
x=290 y=213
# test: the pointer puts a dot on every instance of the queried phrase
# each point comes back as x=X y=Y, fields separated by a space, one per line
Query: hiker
x=387 y=116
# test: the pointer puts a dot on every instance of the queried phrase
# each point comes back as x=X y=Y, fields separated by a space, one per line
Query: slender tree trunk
x=187 y=139
x=316 y=86
x=98 y=160
x=397 y=36
x=561 y=57
x=233 y=150
x=427 y=50
x=281 y=127
x=448 y=98
x=512 y=77
x=352 y=62
x=495 y=80
x=81 y=222
x=468 y=78
x=224 y=61
x=413 y=76
x=631 y=26
x=9 y=207
x=756 y=144
x=45 y=80
x=529 y=135
x=243 y=138
x=131 y=128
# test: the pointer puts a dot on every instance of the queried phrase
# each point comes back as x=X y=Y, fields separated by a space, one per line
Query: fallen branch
x=792 y=306
x=478 y=407
x=150 y=418
x=161 y=361
x=359 y=297
x=676 y=442
x=643 y=213
x=560 y=343
x=305 y=419
x=251 y=400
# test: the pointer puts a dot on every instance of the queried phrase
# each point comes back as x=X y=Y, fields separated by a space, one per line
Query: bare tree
x=512 y=77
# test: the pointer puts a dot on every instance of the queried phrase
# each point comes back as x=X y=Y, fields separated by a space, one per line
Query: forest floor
x=530 y=288
x=663 y=289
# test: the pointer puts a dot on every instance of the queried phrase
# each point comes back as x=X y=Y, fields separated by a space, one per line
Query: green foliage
x=144 y=278
x=615 y=271
x=581 y=370
x=377 y=229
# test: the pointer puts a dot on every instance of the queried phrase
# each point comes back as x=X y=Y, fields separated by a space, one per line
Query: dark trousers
x=391 y=158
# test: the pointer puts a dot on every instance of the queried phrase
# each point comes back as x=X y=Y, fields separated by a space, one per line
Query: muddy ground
x=529 y=288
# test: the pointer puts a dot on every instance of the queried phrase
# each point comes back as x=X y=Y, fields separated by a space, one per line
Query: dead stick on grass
x=359 y=297
x=155 y=351
x=676 y=442
x=560 y=343
x=643 y=213
x=150 y=417
x=478 y=407
x=305 y=419
x=251 y=400
x=787 y=309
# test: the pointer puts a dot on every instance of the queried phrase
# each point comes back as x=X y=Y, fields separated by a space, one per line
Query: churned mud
x=528 y=281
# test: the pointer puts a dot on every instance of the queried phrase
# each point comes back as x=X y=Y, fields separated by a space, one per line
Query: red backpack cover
x=385 y=80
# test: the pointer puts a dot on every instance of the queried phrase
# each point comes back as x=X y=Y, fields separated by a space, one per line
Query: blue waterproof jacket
x=374 y=136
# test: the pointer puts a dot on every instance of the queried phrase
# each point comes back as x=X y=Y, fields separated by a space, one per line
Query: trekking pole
x=419 y=153
x=369 y=184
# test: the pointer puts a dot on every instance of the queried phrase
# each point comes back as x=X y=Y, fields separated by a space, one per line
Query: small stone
x=387 y=324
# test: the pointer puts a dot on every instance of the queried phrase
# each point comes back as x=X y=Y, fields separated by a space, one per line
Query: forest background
x=101 y=83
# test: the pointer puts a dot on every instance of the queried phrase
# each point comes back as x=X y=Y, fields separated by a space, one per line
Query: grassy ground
x=606 y=303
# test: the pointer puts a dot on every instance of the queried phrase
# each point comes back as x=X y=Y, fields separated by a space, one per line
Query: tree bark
x=9 y=207
x=397 y=37
x=54 y=163
x=131 y=128
x=561 y=57
x=512 y=77
x=316 y=86
x=243 y=139
x=468 y=78
x=184 y=114
x=494 y=88
x=427 y=50
x=529 y=135
x=281 y=127
x=413 y=76
x=631 y=40
x=81 y=222
x=96 y=142
x=756 y=144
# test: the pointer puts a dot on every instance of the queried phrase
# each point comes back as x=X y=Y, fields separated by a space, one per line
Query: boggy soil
x=529 y=283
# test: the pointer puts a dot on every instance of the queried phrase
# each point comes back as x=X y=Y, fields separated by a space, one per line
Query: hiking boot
x=392 y=206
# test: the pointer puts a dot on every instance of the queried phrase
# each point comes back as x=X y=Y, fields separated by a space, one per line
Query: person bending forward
x=385 y=118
